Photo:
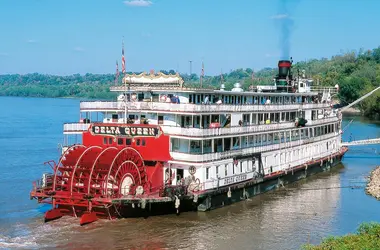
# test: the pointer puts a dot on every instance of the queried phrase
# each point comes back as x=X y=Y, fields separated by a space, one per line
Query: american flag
x=203 y=70
x=122 y=59
x=117 y=72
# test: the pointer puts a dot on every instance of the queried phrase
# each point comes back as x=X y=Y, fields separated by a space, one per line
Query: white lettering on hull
x=234 y=179
x=126 y=131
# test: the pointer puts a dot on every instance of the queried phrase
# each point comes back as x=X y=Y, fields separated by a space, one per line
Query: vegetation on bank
x=367 y=237
x=355 y=72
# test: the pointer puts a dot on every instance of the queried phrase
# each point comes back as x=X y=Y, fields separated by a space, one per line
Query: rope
x=325 y=188
x=117 y=211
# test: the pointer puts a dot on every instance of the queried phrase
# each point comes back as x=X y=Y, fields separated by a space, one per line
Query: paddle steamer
x=162 y=147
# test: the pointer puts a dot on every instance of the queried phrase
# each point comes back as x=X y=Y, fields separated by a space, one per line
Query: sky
x=85 y=36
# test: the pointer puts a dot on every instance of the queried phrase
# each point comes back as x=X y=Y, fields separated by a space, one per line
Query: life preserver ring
x=163 y=98
x=192 y=170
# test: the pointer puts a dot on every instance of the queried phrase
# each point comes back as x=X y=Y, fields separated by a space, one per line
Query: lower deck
x=238 y=168
x=175 y=199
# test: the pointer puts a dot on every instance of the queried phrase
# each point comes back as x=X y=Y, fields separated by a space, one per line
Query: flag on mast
x=202 y=73
x=122 y=59
x=117 y=72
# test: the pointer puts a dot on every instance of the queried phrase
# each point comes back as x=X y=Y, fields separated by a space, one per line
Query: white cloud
x=280 y=16
x=138 y=3
x=79 y=49
x=271 y=55
x=31 y=41
x=146 y=34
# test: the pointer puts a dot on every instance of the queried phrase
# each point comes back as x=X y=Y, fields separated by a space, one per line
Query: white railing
x=198 y=132
x=246 y=151
x=322 y=121
x=99 y=105
x=196 y=108
x=75 y=128
x=78 y=128
x=225 y=131
x=321 y=89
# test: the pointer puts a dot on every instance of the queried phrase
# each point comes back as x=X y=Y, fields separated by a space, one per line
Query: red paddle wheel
x=126 y=174
x=87 y=178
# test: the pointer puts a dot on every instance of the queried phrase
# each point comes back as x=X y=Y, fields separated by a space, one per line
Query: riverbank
x=373 y=185
x=367 y=237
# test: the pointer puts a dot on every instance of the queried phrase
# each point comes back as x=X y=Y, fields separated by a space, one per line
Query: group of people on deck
x=173 y=99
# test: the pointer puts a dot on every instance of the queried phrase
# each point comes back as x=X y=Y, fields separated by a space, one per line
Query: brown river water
x=289 y=217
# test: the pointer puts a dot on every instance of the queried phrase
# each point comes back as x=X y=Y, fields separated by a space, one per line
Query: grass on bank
x=367 y=237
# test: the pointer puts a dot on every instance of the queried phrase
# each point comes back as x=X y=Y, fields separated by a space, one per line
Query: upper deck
x=163 y=107
x=162 y=93
x=164 y=100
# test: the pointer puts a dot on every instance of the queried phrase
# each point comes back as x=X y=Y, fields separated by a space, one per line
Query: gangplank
x=362 y=142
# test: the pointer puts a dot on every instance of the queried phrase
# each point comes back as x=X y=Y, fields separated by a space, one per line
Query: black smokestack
x=284 y=68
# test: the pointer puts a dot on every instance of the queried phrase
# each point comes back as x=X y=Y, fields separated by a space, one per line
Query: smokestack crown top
x=284 y=63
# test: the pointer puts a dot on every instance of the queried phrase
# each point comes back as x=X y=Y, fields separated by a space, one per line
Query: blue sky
x=67 y=37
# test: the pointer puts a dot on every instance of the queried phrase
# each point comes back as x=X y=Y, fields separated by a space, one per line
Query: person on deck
x=206 y=101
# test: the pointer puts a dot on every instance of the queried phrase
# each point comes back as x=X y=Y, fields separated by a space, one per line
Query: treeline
x=366 y=237
x=355 y=72
x=37 y=85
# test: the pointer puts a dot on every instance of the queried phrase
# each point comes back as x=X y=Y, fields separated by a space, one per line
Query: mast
x=253 y=76
x=202 y=73
x=221 y=77
x=117 y=73
x=125 y=82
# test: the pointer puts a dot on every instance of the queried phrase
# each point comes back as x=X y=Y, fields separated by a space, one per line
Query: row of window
x=124 y=141
x=274 y=162
x=239 y=142
x=236 y=99
x=234 y=168
x=204 y=121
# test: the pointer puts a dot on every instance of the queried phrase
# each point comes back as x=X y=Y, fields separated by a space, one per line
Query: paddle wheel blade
x=87 y=218
x=53 y=214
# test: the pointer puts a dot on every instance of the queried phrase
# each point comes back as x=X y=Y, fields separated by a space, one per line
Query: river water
x=31 y=128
